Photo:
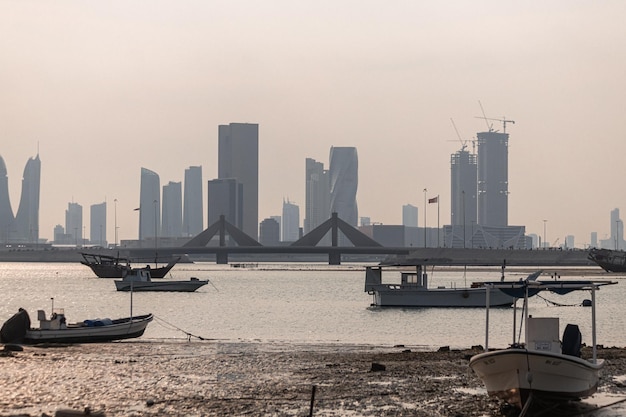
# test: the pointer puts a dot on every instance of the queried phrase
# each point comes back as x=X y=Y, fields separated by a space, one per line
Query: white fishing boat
x=56 y=329
x=139 y=279
x=413 y=291
x=543 y=367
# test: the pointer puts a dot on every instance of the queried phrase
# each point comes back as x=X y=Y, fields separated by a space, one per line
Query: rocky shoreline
x=216 y=378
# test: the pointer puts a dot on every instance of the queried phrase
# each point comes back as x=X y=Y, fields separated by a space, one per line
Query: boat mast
x=593 y=321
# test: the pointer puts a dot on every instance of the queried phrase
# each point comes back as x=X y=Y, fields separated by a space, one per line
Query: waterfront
x=297 y=303
x=271 y=333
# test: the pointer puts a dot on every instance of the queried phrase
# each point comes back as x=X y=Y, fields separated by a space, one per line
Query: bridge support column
x=221 y=258
x=334 y=258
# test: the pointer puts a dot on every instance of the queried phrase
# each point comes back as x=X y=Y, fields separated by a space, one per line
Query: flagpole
x=425 y=191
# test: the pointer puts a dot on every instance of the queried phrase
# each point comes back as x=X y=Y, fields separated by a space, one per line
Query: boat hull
x=173 y=286
x=119 y=329
x=609 y=260
x=514 y=374
x=388 y=295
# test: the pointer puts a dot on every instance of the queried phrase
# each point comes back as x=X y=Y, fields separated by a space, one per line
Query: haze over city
x=100 y=90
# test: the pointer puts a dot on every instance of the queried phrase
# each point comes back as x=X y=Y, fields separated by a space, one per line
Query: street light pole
x=544 y=233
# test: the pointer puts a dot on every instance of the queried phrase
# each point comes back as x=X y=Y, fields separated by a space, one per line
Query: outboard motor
x=14 y=329
x=572 y=340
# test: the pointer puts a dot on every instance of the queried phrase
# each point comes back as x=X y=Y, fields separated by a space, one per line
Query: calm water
x=296 y=303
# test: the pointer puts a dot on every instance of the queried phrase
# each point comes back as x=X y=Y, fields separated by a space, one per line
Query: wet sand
x=214 y=378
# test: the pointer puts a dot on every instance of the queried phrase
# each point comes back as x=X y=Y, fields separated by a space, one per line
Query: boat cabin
x=137 y=275
x=55 y=322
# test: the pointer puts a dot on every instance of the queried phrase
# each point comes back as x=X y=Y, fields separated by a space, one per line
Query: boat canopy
x=520 y=289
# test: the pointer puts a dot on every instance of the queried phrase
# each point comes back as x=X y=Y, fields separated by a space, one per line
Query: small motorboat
x=56 y=329
x=542 y=368
x=139 y=279
x=413 y=291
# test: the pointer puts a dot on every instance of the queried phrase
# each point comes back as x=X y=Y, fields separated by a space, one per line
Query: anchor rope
x=174 y=327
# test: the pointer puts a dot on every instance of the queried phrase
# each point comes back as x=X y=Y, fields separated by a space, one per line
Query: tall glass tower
x=172 y=225
x=317 y=203
x=192 y=205
x=98 y=224
x=149 y=205
x=6 y=213
x=344 y=181
x=238 y=158
x=493 y=183
x=27 y=218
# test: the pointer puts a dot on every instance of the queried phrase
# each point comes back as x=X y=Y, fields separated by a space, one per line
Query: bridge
x=362 y=245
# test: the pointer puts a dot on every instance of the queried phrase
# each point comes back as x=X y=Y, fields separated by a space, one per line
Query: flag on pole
x=433 y=200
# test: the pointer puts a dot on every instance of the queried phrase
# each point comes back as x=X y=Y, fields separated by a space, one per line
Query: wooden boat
x=413 y=291
x=609 y=260
x=542 y=368
x=139 y=279
x=107 y=266
x=57 y=330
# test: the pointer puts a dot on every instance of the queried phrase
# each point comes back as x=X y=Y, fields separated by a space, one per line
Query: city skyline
x=386 y=80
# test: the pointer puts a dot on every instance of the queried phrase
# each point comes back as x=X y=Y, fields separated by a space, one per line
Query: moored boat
x=56 y=329
x=413 y=291
x=542 y=367
x=609 y=260
x=139 y=279
x=107 y=266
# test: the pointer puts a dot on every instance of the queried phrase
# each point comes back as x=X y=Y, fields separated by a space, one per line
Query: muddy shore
x=212 y=378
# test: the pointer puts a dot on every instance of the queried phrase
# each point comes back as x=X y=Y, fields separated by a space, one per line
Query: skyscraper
x=238 y=158
x=463 y=184
x=172 y=218
x=317 y=204
x=98 y=224
x=27 y=218
x=149 y=201
x=269 y=232
x=291 y=222
x=6 y=212
x=409 y=215
x=74 y=223
x=493 y=184
x=344 y=181
x=225 y=197
x=193 y=214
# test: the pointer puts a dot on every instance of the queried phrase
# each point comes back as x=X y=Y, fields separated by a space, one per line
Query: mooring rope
x=174 y=327
x=558 y=304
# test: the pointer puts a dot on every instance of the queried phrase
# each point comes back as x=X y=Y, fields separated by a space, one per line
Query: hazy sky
x=102 y=89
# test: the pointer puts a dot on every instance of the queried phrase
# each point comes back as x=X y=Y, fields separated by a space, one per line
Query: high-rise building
x=74 y=223
x=463 y=184
x=172 y=218
x=269 y=232
x=6 y=212
x=238 y=158
x=27 y=218
x=291 y=222
x=224 y=199
x=98 y=224
x=149 y=205
x=493 y=184
x=409 y=215
x=344 y=181
x=317 y=204
x=193 y=213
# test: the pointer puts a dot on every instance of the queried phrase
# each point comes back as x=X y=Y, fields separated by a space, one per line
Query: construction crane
x=504 y=122
x=463 y=142
x=490 y=127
